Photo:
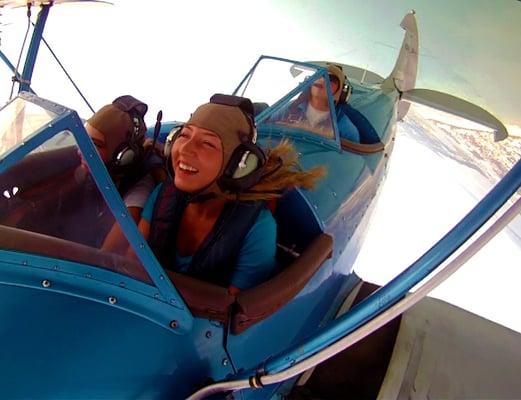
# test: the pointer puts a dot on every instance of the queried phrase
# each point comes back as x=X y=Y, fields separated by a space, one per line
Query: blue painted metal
x=84 y=349
x=8 y=63
x=85 y=282
x=32 y=52
x=388 y=295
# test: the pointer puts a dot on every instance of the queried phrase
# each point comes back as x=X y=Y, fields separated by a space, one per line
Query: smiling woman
x=214 y=209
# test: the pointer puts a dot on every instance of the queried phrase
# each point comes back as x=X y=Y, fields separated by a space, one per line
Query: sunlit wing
x=37 y=3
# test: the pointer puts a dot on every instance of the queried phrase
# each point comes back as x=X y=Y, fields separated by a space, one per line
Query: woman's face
x=197 y=157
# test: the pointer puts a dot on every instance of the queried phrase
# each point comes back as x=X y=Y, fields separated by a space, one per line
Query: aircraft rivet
x=88 y=276
x=112 y=300
x=124 y=215
x=122 y=284
x=141 y=246
x=24 y=262
x=55 y=268
x=156 y=296
x=46 y=283
x=225 y=362
x=334 y=194
x=208 y=334
x=174 y=324
x=161 y=277
x=172 y=301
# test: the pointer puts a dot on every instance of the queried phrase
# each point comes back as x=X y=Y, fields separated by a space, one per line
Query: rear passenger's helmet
x=124 y=129
x=344 y=90
x=231 y=118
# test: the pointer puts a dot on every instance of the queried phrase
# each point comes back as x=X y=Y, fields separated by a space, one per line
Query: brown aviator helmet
x=231 y=118
x=124 y=129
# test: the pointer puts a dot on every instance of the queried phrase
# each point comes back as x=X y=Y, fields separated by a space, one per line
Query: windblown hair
x=282 y=172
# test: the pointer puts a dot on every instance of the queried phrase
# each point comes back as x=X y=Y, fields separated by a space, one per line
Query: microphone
x=157 y=127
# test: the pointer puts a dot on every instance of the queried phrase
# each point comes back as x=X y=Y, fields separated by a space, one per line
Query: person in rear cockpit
x=312 y=108
x=118 y=132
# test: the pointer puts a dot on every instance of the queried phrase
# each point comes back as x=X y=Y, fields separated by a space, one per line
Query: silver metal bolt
x=112 y=300
x=46 y=283
x=225 y=362
x=174 y=324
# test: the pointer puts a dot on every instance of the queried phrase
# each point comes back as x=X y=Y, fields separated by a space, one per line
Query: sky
x=175 y=55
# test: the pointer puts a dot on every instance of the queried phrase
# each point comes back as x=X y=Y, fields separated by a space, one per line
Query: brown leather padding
x=255 y=304
x=361 y=148
x=31 y=242
x=204 y=299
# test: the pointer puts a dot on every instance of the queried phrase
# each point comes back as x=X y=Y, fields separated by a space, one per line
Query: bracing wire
x=67 y=74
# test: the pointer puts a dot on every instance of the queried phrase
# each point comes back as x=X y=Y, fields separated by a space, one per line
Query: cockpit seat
x=255 y=304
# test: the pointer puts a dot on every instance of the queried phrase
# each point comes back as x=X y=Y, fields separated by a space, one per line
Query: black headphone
x=246 y=164
x=346 y=91
x=131 y=151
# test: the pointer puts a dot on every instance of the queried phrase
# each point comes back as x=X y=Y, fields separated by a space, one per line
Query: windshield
x=290 y=97
x=272 y=79
x=50 y=204
x=18 y=120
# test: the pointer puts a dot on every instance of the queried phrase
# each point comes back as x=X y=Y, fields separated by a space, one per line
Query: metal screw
x=225 y=362
x=174 y=324
x=46 y=283
x=112 y=300
x=208 y=334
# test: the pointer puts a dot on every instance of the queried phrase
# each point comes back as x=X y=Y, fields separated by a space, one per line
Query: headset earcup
x=251 y=162
x=346 y=93
x=236 y=177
